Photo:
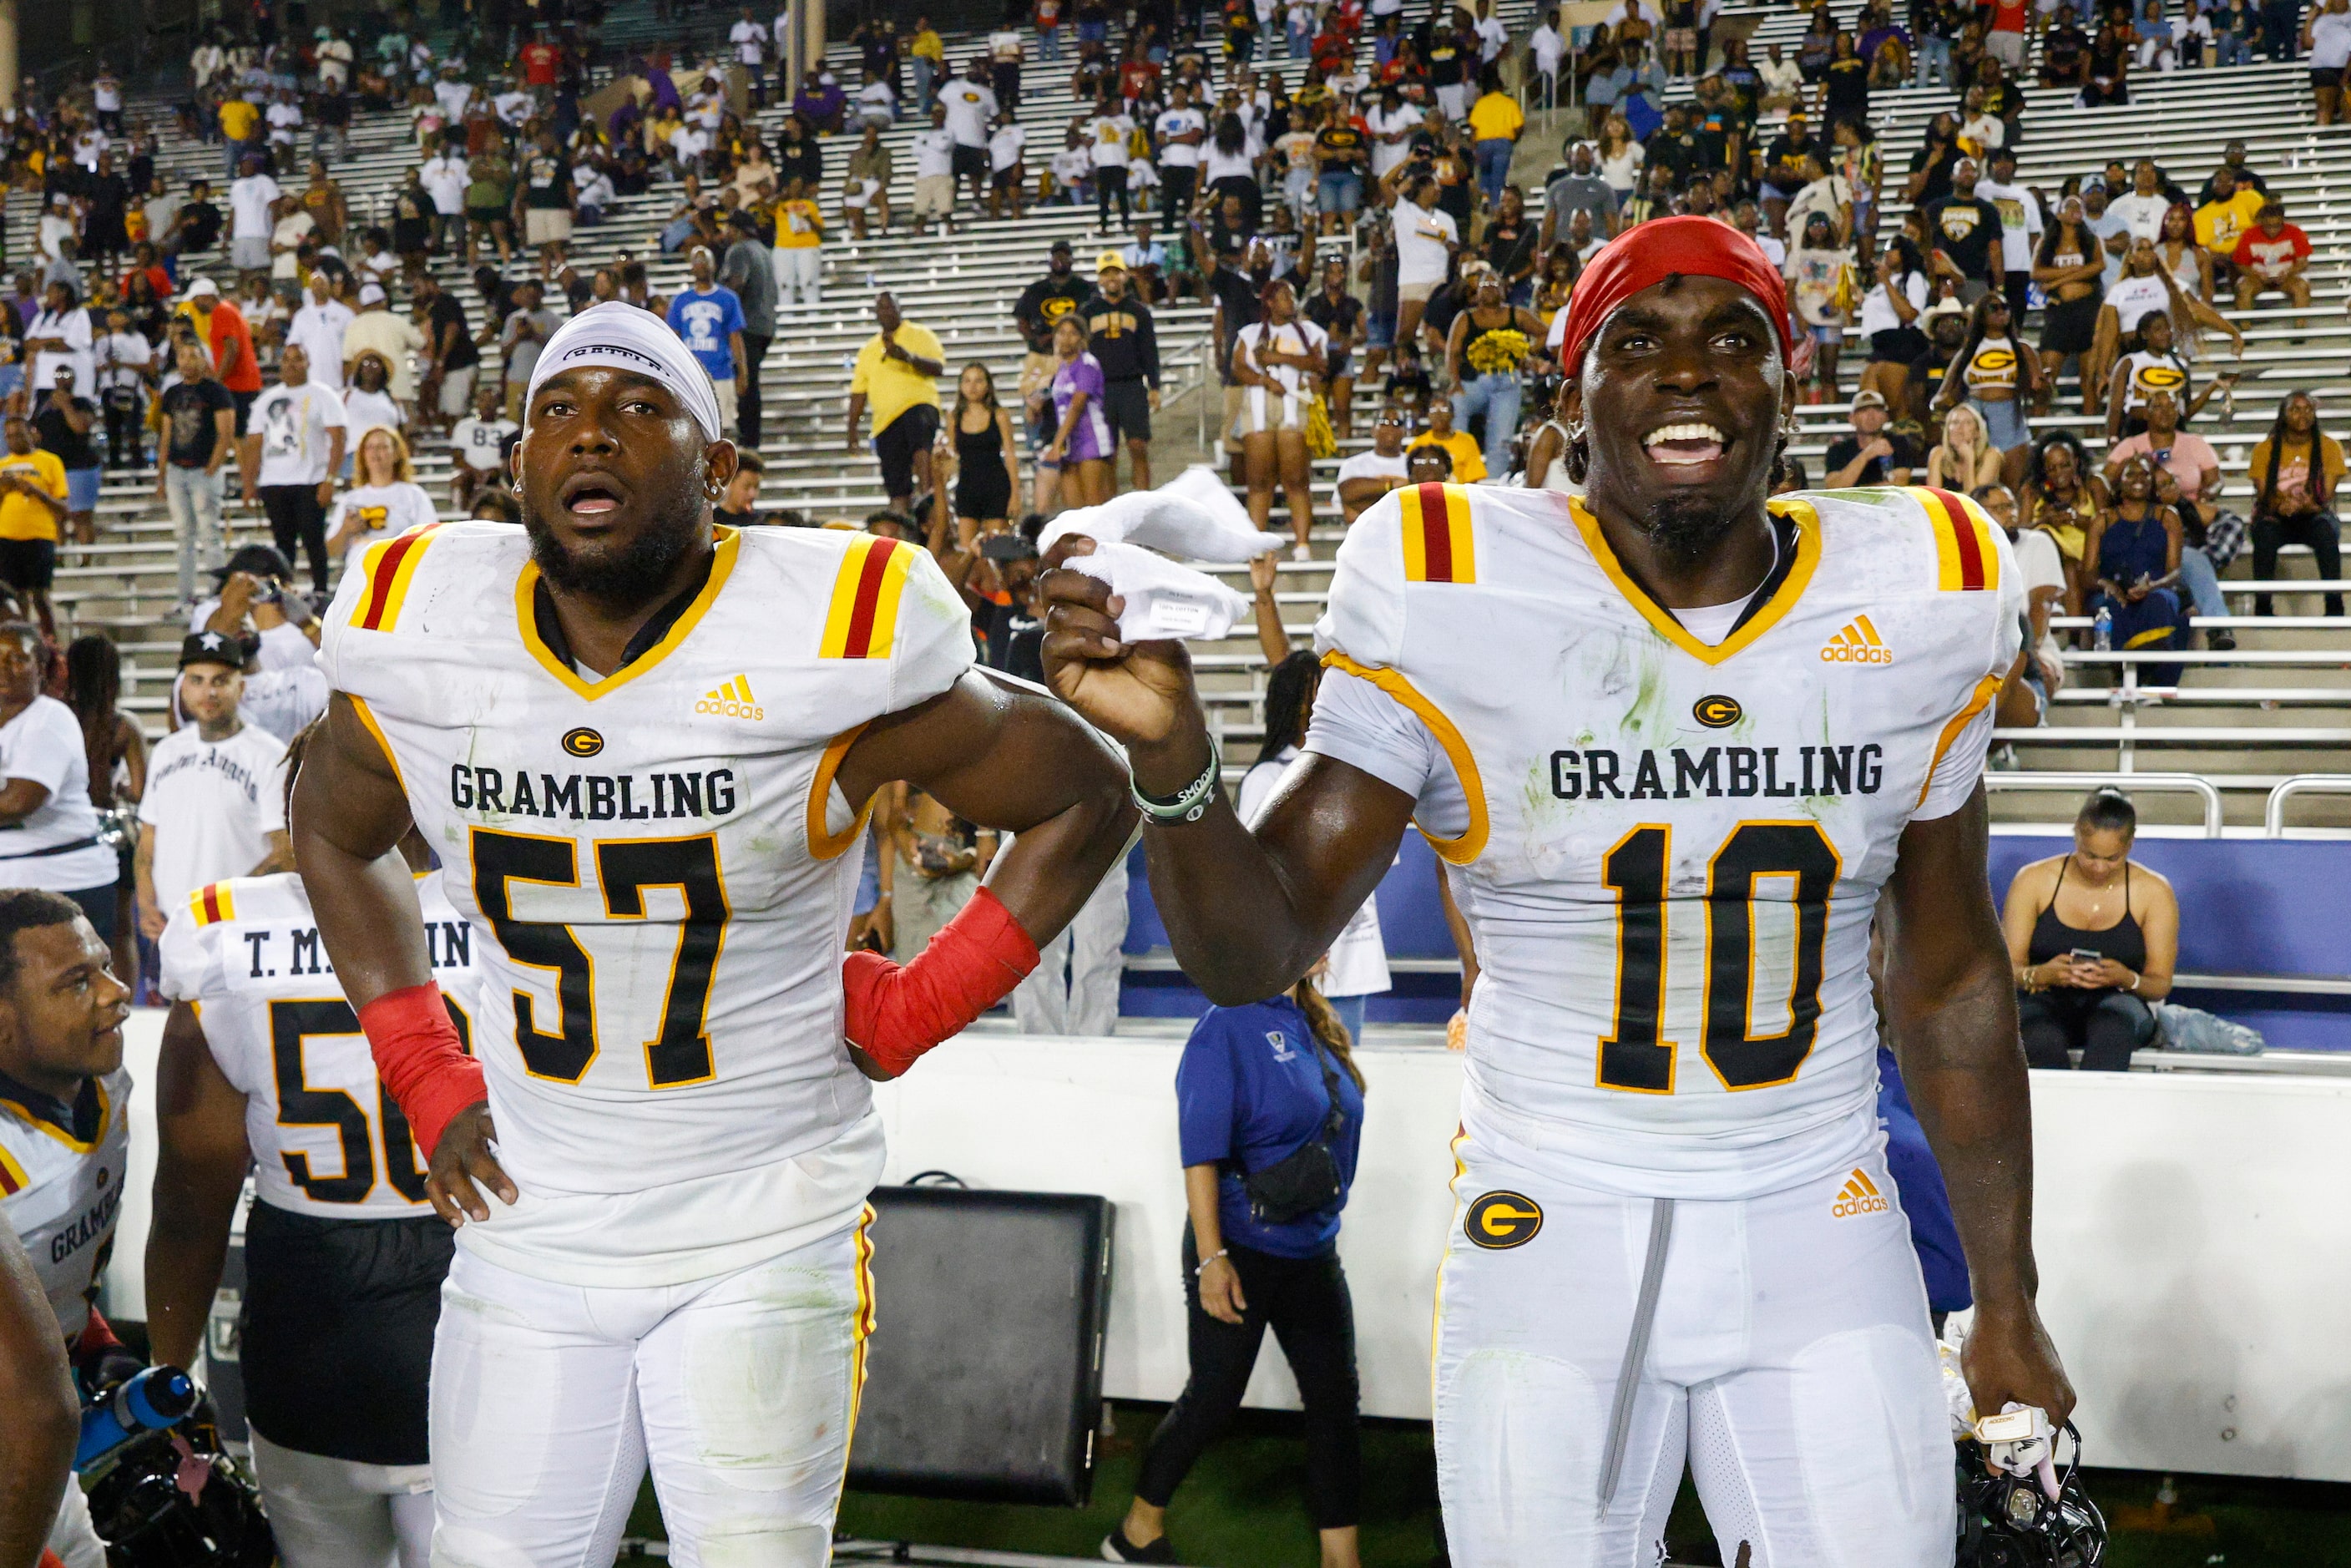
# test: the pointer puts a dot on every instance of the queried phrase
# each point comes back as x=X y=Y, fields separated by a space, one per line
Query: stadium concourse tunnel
x=2262 y=934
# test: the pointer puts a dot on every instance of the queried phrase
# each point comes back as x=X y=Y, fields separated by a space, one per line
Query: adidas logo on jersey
x=1858 y=643
x=733 y=700
x=1859 y=1196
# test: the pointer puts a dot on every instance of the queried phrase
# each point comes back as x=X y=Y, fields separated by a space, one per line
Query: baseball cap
x=371 y=294
x=1110 y=261
x=204 y=287
x=211 y=648
x=1868 y=397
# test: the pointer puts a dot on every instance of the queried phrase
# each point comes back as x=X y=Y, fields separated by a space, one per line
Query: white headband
x=619 y=333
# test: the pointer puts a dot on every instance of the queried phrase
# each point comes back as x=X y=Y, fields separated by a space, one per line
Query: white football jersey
x=654 y=863
x=1669 y=852
x=326 y=1139
x=61 y=1187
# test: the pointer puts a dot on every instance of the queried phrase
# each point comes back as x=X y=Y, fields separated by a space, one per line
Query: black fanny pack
x=1306 y=1180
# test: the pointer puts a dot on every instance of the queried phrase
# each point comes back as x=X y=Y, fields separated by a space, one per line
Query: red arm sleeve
x=420 y=1062
x=894 y=1014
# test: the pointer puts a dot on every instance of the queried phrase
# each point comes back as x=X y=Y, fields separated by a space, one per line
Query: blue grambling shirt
x=1250 y=1090
x=705 y=322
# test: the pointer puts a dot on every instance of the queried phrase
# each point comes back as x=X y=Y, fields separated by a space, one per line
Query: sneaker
x=1117 y=1548
x=1301 y=552
x=2220 y=640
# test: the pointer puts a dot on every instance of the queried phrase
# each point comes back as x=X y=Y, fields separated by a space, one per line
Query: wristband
x=422 y=1064
x=894 y=1013
x=1211 y=1258
x=1190 y=805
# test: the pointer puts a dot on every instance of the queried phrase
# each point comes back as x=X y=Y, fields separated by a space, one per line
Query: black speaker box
x=984 y=1372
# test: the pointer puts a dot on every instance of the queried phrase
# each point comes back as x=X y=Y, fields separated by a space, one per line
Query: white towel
x=1165 y=599
x=1192 y=516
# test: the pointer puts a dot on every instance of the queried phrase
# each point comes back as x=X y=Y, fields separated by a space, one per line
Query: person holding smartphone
x=2094 y=939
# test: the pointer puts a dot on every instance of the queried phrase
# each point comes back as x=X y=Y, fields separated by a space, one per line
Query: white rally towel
x=1165 y=599
x=1193 y=517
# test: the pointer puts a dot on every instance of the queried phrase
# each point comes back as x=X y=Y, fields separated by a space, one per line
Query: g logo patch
x=1717 y=712
x=1501 y=1220
x=583 y=742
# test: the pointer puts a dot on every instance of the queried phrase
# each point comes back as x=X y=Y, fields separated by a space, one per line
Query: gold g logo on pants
x=1503 y=1219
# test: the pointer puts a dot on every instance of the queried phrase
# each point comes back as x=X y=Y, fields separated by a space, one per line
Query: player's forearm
x=186 y=1243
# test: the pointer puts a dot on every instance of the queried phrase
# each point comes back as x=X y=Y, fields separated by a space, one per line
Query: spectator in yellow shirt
x=2223 y=220
x=897 y=372
x=929 y=53
x=799 y=240
x=1468 y=463
x=1494 y=125
x=239 y=120
x=32 y=503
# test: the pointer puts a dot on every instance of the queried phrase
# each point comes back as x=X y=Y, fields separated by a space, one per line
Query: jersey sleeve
x=1360 y=724
x=933 y=646
x=1966 y=738
x=188 y=950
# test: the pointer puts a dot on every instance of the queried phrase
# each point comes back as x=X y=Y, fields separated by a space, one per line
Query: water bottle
x=2103 y=634
x=156 y=1397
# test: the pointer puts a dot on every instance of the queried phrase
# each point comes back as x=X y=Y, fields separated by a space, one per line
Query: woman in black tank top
x=2093 y=939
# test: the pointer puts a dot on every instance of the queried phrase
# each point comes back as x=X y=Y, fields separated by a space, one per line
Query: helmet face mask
x=2010 y=1521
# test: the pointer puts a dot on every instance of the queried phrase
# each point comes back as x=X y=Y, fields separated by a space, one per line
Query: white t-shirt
x=2134 y=298
x=2019 y=221
x=282 y=702
x=2038 y=560
x=383 y=510
x=876 y=102
x=204 y=802
x=477 y=441
x=118 y=358
x=971 y=109
x=750 y=41
x=1178 y=123
x=73 y=327
x=1372 y=465
x=363 y=410
x=1299 y=335
x=1005 y=145
x=319 y=328
x=250 y=201
x=1547 y=47
x=1878 y=314
x=1110 y=132
x=1420 y=238
x=1386 y=122
x=293 y=423
x=934 y=154
x=1218 y=165
x=1072 y=165
x=2142 y=215
x=1004 y=46
x=444 y=180
x=44 y=744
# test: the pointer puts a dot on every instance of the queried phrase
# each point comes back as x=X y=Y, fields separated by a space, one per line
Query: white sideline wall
x=2193 y=1233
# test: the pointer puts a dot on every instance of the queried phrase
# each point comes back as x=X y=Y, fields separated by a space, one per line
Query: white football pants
x=1786 y=1354
x=549 y=1399
x=339 y=1513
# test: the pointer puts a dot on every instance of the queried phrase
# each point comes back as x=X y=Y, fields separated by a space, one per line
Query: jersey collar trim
x=64 y=1123
x=1779 y=594
x=722 y=564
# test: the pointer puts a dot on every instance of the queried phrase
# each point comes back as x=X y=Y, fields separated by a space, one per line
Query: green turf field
x=1244 y=1508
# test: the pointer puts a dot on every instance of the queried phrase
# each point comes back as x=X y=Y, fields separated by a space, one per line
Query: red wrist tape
x=420 y=1060
x=896 y=1013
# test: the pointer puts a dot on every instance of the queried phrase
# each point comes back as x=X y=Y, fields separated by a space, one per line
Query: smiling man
x=1729 y=735
x=65 y=1139
x=644 y=746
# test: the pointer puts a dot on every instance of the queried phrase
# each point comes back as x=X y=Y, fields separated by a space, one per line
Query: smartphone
x=2086 y=955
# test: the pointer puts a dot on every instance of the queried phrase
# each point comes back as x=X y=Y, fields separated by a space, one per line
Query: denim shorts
x=1340 y=191
x=1379 y=330
x=81 y=490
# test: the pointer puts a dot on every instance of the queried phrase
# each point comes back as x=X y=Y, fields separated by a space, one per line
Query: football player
x=1677 y=745
x=65 y=1143
x=264 y=1067
x=36 y=1441
x=644 y=746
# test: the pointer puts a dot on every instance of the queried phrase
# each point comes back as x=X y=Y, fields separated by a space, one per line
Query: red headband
x=1652 y=252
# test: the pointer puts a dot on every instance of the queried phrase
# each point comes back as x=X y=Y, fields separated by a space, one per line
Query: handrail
x=2273 y=814
x=2184 y=783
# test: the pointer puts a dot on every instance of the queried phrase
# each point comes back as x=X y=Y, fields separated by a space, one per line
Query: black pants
x=125 y=427
x=2321 y=531
x=2105 y=1027
x=747 y=396
x=2014 y=283
x=1176 y=184
x=1306 y=1303
x=1110 y=180
x=295 y=519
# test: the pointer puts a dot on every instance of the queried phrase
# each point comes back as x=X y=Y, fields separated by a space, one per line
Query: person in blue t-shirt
x=708 y=318
x=1256 y=1085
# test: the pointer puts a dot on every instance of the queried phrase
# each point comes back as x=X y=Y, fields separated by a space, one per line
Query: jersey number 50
x=626 y=868
x=1633 y=1056
x=291 y=1022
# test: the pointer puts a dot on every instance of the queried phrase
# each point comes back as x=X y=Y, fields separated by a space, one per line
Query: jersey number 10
x=626 y=868
x=1633 y=1056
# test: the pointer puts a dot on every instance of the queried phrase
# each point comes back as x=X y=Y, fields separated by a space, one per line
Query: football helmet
x=2011 y=1521
x=174 y=1497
